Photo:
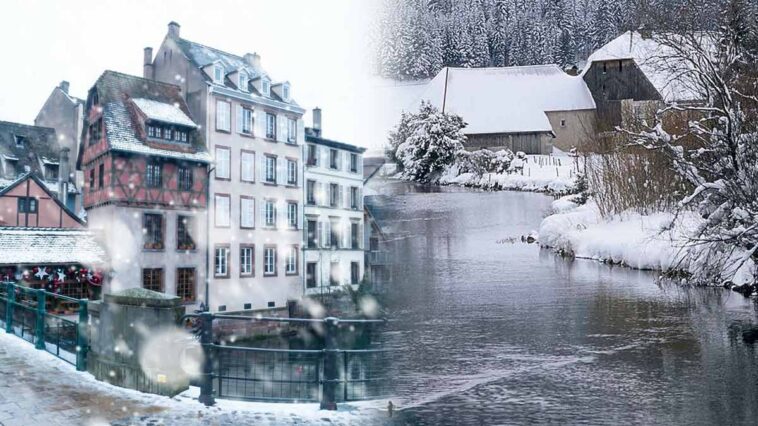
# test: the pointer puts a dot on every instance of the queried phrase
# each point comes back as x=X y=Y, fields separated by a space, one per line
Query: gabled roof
x=39 y=246
x=312 y=137
x=509 y=99
x=202 y=56
x=40 y=146
x=21 y=179
x=669 y=77
x=117 y=94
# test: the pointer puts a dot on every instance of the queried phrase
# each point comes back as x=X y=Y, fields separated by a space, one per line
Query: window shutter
x=317 y=153
x=259 y=123
x=281 y=171
x=300 y=214
x=281 y=128
x=340 y=196
x=239 y=118
x=262 y=169
x=360 y=235
x=320 y=233
x=345 y=225
x=327 y=233
x=263 y=212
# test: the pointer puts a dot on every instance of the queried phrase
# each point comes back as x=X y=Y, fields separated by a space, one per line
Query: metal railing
x=327 y=375
x=23 y=312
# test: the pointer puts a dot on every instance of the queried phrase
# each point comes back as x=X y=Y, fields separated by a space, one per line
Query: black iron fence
x=329 y=375
x=26 y=312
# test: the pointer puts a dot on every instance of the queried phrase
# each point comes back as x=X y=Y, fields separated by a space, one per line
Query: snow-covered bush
x=483 y=161
x=426 y=143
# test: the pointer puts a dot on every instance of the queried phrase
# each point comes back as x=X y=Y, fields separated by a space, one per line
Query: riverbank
x=659 y=241
x=551 y=174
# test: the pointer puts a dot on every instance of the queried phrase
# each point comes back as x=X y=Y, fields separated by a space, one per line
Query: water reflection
x=490 y=332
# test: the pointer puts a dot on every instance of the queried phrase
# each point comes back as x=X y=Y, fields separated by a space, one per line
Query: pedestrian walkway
x=39 y=389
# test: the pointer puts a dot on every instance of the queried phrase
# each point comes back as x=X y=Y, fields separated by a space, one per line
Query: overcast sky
x=321 y=46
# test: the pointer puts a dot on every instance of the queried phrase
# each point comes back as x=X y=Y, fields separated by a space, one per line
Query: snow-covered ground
x=554 y=174
x=658 y=241
x=42 y=389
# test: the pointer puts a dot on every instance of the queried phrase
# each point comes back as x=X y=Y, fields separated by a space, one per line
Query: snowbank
x=554 y=174
x=657 y=241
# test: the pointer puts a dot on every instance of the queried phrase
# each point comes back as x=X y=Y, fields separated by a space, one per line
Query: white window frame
x=222 y=210
x=221 y=262
x=247 y=167
x=242 y=81
x=291 y=130
x=271 y=130
x=269 y=261
x=223 y=115
x=286 y=92
x=290 y=261
x=269 y=209
x=291 y=172
x=218 y=74
x=292 y=218
x=247 y=221
x=247 y=254
x=266 y=86
x=270 y=168
x=223 y=162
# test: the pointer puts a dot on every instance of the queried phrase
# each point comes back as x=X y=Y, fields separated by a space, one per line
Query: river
x=491 y=331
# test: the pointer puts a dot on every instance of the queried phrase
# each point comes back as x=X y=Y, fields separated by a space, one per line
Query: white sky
x=321 y=46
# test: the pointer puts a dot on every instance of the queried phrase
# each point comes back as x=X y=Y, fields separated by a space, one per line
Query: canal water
x=489 y=330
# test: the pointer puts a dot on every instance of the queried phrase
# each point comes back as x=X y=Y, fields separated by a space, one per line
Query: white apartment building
x=254 y=131
x=334 y=252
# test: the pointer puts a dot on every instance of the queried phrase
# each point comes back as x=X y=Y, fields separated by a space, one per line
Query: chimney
x=317 y=121
x=147 y=63
x=253 y=59
x=64 y=86
x=63 y=175
x=173 y=29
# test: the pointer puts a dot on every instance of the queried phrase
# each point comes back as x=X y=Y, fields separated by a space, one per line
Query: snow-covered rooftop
x=507 y=100
x=669 y=76
x=35 y=246
x=163 y=112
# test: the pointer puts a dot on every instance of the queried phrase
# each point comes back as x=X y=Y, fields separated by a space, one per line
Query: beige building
x=254 y=131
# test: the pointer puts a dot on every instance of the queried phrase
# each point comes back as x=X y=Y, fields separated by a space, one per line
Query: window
x=246 y=261
x=247 y=166
x=269 y=261
x=181 y=136
x=247 y=212
x=286 y=92
x=355 y=272
x=334 y=158
x=185 y=179
x=223 y=116
x=101 y=175
x=222 y=308
x=563 y=123
x=355 y=236
x=20 y=141
x=244 y=120
x=247 y=306
x=153 y=230
x=270 y=126
x=185 y=284
x=312 y=155
x=270 y=169
x=291 y=172
x=221 y=262
x=266 y=87
x=310 y=191
x=312 y=233
x=310 y=275
x=184 y=231
x=152 y=279
x=51 y=172
x=621 y=66
x=222 y=212
x=27 y=205
x=605 y=67
x=223 y=160
x=292 y=215
x=218 y=74
x=354 y=198
x=10 y=168
x=291 y=130
x=95 y=131
x=92 y=179
x=153 y=175
x=334 y=273
x=334 y=234
x=290 y=261
x=334 y=195
x=242 y=82
x=354 y=163
x=270 y=213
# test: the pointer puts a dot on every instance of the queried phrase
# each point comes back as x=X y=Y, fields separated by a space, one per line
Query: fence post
x=206 y=378
x=11 y=290
x=81 y=336
x=40 y=329
x=331 y=376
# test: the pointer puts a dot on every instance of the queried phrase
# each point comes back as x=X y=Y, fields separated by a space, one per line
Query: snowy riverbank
x=553 y=174
x=658 y=241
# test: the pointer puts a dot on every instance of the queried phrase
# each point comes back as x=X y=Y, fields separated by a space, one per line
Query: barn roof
x=507 y=100
x=670 y=77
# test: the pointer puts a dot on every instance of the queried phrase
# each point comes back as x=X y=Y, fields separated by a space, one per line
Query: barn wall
x=578 y=127
x=530 y=143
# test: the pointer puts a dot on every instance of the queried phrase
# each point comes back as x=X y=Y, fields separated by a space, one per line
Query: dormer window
x=218 y=74
x=20 y=141
x=11 y=168
x=243 y=82
x=51 y=172
x=286 y=92
x=163 y=132
x=266 y=87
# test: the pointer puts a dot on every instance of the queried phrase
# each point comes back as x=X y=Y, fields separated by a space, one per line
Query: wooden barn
x=529 y=109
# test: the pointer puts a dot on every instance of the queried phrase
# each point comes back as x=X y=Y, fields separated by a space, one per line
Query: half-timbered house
x=145 y=170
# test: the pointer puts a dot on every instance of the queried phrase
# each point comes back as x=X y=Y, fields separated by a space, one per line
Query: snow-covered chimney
x=173 y=29
x=147 y=63
x=63 y=175
x=253 y=59
x=64 y=86
x=317 y=121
